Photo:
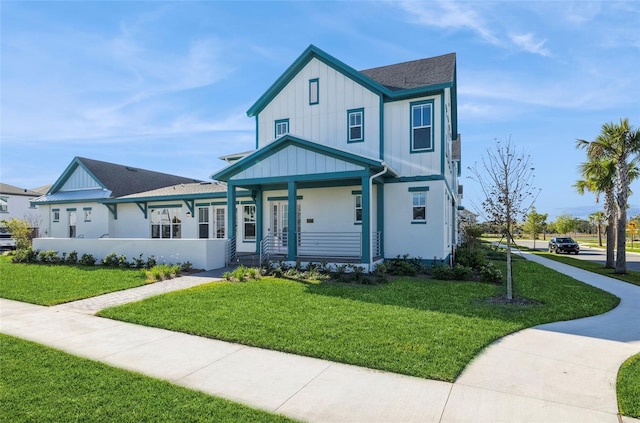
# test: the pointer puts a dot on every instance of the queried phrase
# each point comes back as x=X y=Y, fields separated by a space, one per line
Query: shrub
x=490 y=273
x=462 y=273
x=25 y=255
x=186 y=266
x=405 y=266
x=111 y=260
x=20 y=231
x=48 y=257
x=73 y=257
x=227 y=275
x=137 y=262
x=239 y=273
x=442 y=272
x=470 y=258
x=152 y=261
x=87 y=260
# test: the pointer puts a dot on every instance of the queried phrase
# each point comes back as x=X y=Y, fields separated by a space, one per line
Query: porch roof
x=290 y=157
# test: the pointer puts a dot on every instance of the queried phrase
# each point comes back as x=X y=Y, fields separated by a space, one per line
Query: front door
x=280 y=226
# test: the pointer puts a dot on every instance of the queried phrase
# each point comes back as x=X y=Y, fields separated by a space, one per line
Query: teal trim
x=288 y=140
x=431 y=106
x=246 y=202
x=55 y=210
x=424 y=178
x=356 y=192
x=203 y=204
x=218 y=203
x=191 y=207
x=349 y=113
x=454 y=102
x=166 y=206
x=257 y=129
x=461 y=208
x=275 y=127
x=113 y=208
x=442 y=135
x=75 y=163
x=419 y=222
x=357 y=223
x=259 y=212
x=231 y=211
x=143 y=207
x=86 y=208
x=418 y=189
x=293 y=222
x=381 y=129
x=366 y=221
x=427 y=90
x=315 y=87
x=283 y=198
x=286 y=179
x=71 y=209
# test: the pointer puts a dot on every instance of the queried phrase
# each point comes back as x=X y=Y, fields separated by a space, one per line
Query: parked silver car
x=6 y=242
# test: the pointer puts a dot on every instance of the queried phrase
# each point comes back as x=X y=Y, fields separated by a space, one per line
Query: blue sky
x=166 y=85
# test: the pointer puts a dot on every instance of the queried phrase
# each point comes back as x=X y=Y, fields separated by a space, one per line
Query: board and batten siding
x=397 y=139
x=326 y=122
x=293 y=160
x=80 y=179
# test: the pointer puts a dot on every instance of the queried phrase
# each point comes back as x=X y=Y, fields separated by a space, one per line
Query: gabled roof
x=290 y=140
x=120 y=179
x=13 y=190
x=416 y=73
x=393 y=82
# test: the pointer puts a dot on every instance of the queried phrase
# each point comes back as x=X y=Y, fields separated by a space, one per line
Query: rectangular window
x=220 y=223
x=203 y=222
x=358 y=208
x=72 y=224
x=87 y=214
x=355 y=122
x=4 y=204
x=421 y=127
x=314 y=91
x=56 y=215
x=166 y=223
x=249 y=222
x=419 y=206
x=282 y=127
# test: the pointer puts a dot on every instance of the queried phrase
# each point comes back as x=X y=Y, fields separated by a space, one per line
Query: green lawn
x=630 y=277
x=55 y=284
x=423 y=328
x=40 y=384
x=628 y=387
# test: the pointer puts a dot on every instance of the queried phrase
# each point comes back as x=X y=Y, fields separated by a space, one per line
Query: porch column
x=231 y=211
x=259 y=219
x=366 y=221
x=292 y=235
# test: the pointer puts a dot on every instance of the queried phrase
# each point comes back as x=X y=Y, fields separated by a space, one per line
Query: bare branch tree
x=506 y=178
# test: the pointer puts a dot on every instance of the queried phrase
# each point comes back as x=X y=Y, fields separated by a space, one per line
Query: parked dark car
x=563 y=245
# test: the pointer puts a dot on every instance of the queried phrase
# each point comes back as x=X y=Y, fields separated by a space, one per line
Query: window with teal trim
x=358 y=208
x=421 y=126
x=282 y=127
x=56 y=215
x=249 y=222
x=355 y=123
x=314 y=91
x=419 y=206
x=87 y=214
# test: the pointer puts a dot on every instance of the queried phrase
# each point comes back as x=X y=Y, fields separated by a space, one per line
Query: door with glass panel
x=280 y=226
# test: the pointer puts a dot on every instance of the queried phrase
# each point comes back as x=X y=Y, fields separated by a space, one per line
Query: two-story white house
x=351 y=166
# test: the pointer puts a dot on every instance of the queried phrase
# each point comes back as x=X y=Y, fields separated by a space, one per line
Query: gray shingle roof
x=416 y=73
x=125 y=180
x=181 y=189
x=13 y=190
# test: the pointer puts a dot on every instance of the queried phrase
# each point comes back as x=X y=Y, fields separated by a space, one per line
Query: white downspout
x=382 y=172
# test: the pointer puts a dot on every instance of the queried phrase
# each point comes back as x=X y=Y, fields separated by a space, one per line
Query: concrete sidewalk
x=560 y=372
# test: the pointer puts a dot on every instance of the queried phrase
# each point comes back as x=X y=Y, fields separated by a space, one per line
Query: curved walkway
x=560 y=372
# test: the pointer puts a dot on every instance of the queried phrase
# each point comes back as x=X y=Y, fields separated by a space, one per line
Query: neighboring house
x=352 y=166
x=16 y=203
x=349 y=167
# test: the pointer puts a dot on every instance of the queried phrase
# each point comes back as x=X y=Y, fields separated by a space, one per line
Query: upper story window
x=314 y=91
x=422 y=126
x=355 y=123
x=282 y=127
x=4 y=204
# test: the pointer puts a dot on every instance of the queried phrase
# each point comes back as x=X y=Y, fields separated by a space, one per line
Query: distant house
x=16 y=203
x=349 y=166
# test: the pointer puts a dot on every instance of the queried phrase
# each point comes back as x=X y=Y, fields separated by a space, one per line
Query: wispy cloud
x=527 y=42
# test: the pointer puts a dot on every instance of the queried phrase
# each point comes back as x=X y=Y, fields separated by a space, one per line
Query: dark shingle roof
x=13 y=190
x=182 y=189
x=124 y=180
x=416 y=73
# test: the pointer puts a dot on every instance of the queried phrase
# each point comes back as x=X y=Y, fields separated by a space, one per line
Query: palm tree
x=598 y=218
x=619 y=143
x=598 y=176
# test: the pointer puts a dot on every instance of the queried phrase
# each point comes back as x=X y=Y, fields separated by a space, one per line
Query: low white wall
x=202 y=253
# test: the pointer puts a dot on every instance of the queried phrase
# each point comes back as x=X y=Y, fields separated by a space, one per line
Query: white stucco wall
x=19 y=207
x=96 y=227
x=202 y=253
x=418 y=240
x=325 y=122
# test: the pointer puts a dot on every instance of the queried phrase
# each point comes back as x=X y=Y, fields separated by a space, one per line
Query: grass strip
x=424 y=328
x=54 y=284
x=628 y=387
x=40 y=384
x=631 y=276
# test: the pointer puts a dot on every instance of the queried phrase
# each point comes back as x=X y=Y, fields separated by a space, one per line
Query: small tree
x=535 y=224
x=20 y=231
x=598 y=218
x=565 y=223
x=506 y=179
